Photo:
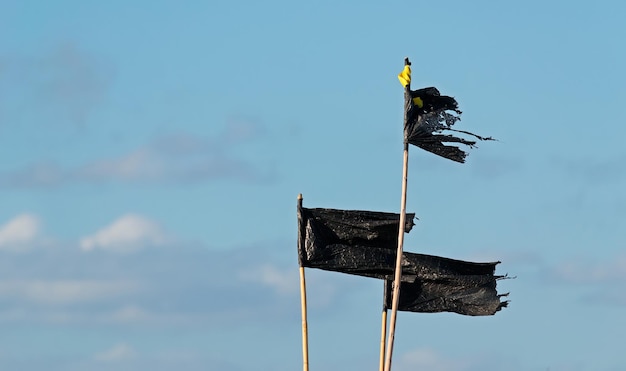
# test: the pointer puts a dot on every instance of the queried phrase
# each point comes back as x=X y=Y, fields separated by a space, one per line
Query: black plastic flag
x=428 y=116
x=448 y=285
x=350 y=241
x=364 y=243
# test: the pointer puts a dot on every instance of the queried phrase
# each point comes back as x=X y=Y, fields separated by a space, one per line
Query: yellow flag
x=405 y=76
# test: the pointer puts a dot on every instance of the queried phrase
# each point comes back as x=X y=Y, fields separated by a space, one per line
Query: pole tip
x=299 y=196
x=406 y=61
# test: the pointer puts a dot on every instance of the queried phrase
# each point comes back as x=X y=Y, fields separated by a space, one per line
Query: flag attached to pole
x=350 y=241
x=364 y=243
x=448 y=285
x=428 y=116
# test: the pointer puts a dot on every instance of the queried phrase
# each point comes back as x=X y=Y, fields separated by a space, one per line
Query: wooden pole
x=398 y=271
x=383 y=331
x=305 y=331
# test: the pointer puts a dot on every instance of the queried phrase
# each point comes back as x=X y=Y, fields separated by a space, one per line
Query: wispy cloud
x=114 y=277
x=128 y=233
x=64 y=292
x=117 y=353
x=591 y=273
x=283 y=281
x=597 y=282
x=131 y=272
x=171 y=159
x=19 y=232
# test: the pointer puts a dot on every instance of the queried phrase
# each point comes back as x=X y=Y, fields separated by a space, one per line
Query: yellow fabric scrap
x=418 y=102
x=405 y=76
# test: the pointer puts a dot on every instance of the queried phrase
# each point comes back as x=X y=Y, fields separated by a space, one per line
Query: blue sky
x=151 y=155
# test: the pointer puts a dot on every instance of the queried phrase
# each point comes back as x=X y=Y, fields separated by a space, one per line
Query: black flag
x=448 y=285
x=364 y=243
x=428 y=115
x=350 y=241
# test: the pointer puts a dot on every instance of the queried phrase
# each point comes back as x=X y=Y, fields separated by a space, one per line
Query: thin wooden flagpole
x=383 y=331
x=305 y=331
x=398 y=271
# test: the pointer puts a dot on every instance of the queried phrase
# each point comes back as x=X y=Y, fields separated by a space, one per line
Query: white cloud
x=176 y=158
x=19 y=232
x=89 y=315
x=282 y=281
x=63 y=292
x=119 y=352
x=126 y=234
x=152 y=287
x=141 y=164
x=171 y=159
x=322 y=288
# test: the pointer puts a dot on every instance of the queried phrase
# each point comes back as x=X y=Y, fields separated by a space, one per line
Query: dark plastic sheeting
x=424 y=126
x=365 y=243
x=447 y=285
x=351 y=241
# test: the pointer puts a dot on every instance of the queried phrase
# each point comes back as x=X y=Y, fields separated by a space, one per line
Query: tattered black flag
x=428 y=114
x=350 y=241
x=448 y=285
